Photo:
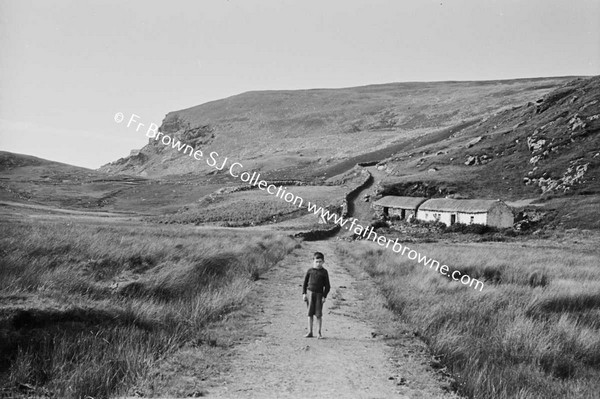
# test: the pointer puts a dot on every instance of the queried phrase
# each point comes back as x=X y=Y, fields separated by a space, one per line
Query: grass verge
x=90 y=310
x=516 y=339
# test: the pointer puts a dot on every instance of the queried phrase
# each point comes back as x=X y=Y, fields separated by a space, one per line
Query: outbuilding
x=403 y=207
x=467 y=211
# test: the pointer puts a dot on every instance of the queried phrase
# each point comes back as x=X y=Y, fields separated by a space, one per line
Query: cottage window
x=472 y=219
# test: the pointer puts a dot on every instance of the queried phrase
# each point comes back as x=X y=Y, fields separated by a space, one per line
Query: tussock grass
x=565 y=302
x=251 y=207
x=89 y=310
x=513 y=339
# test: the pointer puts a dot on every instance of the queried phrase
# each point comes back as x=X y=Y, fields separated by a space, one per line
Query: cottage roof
x=393 y=201
x=458 y=205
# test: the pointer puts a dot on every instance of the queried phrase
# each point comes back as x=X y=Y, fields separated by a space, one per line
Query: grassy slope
x=308 y=129
x=95 y=309
x=421 y=118
x=45 y=186
x=514 y=339
x=32 y=180
x=566 y=119
x=254 y=206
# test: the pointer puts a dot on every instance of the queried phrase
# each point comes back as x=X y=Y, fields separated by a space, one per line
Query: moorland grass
x=89 y=310
x=252 y=207
x=514 y=339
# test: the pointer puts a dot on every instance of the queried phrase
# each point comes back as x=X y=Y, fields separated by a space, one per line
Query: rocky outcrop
x=553 y=98
x=144 y=160
x=573 y=176
x=477 y=160
x=570 y=130
x=535 y=144
x=474 y=141
x=414 y=189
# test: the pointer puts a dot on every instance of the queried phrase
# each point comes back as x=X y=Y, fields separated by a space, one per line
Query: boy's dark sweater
x=317 y=280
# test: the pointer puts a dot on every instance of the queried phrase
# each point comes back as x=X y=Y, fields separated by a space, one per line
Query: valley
x=167 y=277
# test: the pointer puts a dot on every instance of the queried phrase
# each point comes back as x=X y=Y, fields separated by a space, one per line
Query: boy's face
x=318 y=263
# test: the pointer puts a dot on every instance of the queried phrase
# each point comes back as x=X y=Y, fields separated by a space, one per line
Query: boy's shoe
x=320 y=336
x=309 y=335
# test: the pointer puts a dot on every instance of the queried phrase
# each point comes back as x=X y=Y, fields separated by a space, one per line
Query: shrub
x=510 y=232
x=474 y=228
x=565 y=302
x=376 y=224
x=537 y=278
x=430 y=224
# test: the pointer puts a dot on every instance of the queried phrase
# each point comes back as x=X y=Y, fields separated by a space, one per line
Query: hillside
x=38 y=183
x=309 y=131
x=548 y=148
x=538 y=145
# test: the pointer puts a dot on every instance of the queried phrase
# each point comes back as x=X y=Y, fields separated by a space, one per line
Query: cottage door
x=452 y=219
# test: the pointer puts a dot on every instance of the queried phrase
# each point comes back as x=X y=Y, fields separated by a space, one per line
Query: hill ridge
x=312 y=128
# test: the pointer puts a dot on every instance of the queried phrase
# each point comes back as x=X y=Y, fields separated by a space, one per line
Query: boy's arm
x=327 y=285
x=305 y=285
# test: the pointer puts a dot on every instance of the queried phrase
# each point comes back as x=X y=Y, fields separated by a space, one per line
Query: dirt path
x=352 y=361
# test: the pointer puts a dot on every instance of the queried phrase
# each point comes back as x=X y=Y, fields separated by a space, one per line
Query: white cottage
x=467 y=211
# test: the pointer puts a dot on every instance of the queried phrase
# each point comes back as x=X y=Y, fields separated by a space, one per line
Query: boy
x=317 y=282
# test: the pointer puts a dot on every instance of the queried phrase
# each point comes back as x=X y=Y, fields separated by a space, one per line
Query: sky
x=66 y=67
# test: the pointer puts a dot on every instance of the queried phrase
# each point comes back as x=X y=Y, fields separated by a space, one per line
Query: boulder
x=535 y=144
x=472 y=160
x=474 y=141
x=535 y=159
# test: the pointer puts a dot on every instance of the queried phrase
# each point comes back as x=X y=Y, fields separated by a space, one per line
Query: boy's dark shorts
x=315 y=303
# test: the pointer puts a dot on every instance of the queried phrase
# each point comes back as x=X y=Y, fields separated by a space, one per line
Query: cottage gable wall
x=500 y=216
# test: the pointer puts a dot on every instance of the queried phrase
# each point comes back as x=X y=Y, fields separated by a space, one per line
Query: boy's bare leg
x=319 y=324
x=310 y=327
